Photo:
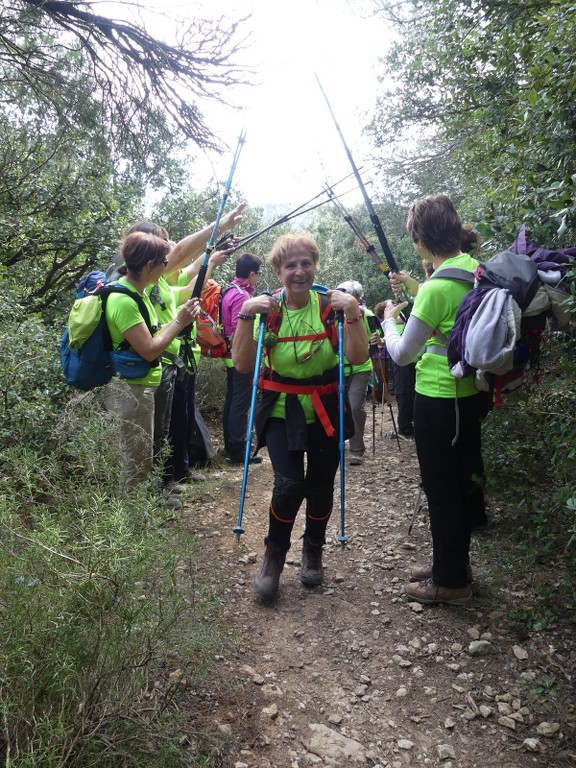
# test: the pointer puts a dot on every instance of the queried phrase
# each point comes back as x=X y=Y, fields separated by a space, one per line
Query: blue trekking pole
x=341 y=390
x=210 y=246
x=238 y=530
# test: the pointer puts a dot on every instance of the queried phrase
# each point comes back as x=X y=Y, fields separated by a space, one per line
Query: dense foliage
x=483 y=101
x=98 y=605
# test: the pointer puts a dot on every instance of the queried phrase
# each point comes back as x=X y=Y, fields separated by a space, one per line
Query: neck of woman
x=136 y=282
x=439 y=259
x=296 y=302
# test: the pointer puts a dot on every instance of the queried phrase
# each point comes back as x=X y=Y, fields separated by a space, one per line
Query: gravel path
x=351 y=673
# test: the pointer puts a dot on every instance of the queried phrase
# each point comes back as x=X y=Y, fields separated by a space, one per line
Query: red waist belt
x=314 y=390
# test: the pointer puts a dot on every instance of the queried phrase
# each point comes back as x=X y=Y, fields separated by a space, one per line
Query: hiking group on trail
x=299 y=365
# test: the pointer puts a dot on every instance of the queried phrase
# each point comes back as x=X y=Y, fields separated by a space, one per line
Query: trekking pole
x=299 y=211
x=386 y=396
x=417 y=508
x=374 y=379
x=238 y=530
x=210 y=245
x=341 y=390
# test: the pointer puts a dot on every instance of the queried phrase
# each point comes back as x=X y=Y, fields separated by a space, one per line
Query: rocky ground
x=351 y=673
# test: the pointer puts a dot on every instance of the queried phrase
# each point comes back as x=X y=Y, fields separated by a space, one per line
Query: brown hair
x=379 y=309
x=138 y=248
x=434 y=221
x=469 y=239
x=287 y=243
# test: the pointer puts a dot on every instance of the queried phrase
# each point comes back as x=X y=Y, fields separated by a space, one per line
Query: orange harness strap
x=315 y=392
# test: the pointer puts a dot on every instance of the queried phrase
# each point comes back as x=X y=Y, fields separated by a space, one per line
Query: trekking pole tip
x=238 y=531
x=342 y=539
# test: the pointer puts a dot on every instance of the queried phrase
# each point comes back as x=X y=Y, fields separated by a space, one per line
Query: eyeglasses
x=164 y=262
x=315 y=346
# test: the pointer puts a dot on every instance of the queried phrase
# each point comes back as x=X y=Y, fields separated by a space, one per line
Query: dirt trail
x=351 y=673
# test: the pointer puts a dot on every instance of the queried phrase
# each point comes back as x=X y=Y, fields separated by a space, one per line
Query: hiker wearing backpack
x=238 y=385
x=447 y=415
x=297 y=416
x=171 y=290
x=145 y=257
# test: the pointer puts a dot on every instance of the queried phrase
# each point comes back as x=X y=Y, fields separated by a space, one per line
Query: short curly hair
x=287 y=243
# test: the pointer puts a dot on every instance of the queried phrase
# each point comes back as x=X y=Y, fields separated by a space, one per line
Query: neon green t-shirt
x=299 y=359
x=122 y=313
x=166 y=310
x=181 y=298
x=436 y=304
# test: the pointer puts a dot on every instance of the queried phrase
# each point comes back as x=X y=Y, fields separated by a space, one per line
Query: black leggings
x=296 y=480
x=448 y=473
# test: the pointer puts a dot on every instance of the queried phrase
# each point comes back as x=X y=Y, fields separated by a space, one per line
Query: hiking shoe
x=266 y=582
x=423 y=572
x=431 y=594
x=355 y=461
x=240 y=460
x=192 y=476
x=173 y=502
x=312 y=570
x=174 y=488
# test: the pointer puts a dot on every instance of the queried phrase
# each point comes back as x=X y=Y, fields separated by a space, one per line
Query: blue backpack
x=86 y=354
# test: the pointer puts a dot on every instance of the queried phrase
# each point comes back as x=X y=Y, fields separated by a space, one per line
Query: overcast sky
x=292 y=145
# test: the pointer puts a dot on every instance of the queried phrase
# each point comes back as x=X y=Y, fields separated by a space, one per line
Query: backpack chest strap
x=316 y=392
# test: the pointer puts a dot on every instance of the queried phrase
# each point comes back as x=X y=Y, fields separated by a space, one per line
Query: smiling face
x=296 y=272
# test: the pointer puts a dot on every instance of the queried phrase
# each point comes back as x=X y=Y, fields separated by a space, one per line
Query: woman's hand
x=344 y=302
x=400 y=279
x=392 y=311
x=232 y=218
x=377 y=340
x=262 y=304
x=188 y=312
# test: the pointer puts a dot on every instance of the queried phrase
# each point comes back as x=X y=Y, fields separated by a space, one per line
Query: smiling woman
x=298 y=414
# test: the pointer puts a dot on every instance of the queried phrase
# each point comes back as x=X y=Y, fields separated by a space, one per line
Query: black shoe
x=255 y=459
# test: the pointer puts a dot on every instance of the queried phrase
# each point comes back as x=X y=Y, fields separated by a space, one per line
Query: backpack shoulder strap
x=454 y=273
x=106 y=290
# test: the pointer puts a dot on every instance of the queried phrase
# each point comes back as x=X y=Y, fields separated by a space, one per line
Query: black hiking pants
x=447 y=473
x=300 y=475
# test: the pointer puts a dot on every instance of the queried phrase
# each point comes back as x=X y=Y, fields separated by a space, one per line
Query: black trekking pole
x=388 y=400
x=369 y=207
x=242 y=242
x=238 y=530
x=374 y=379
x=375 y=327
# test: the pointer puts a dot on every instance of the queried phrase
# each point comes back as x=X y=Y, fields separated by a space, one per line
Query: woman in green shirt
x=297 y=416
x=447 y=421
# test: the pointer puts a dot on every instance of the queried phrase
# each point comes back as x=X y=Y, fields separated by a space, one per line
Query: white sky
x=292 y=146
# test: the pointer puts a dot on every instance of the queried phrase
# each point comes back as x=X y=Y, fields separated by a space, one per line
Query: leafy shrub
x=32 y=389
x=103 y=626
x=530 y=453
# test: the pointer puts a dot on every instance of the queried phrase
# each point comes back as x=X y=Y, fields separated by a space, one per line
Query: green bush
x=530 y=453
x=104 y=625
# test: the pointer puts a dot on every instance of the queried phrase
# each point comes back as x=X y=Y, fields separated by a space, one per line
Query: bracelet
x=244 y=316
x=175 y=320
x=351 y=322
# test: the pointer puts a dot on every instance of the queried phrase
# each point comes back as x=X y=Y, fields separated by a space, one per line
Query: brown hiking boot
x=424 y=572
x=312 y=572
x=430 y=594
x=266 y=582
